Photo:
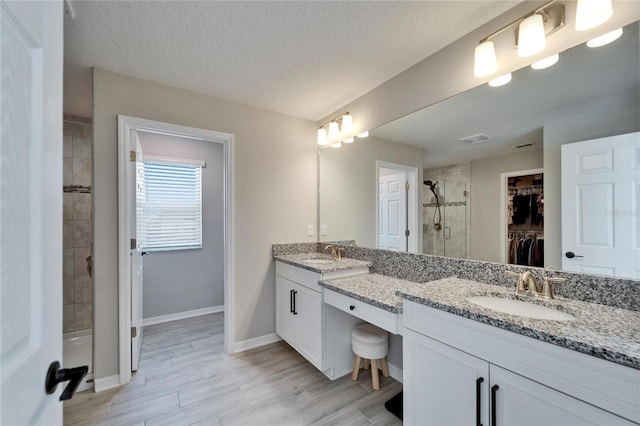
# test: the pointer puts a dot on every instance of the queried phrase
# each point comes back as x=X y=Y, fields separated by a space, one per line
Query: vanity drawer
x=298 y=275
x=369 y=313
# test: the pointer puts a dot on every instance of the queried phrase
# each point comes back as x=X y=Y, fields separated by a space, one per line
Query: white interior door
x=392 y=214
x=30 y=210
x=138 y=195
x=601 y=206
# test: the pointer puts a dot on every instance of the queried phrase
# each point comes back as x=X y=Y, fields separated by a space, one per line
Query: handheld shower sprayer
x=436 y=223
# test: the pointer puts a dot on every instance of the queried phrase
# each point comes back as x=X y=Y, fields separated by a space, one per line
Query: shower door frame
x=126 y=125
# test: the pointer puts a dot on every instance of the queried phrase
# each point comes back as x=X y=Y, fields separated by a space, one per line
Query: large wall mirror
x=483 y=168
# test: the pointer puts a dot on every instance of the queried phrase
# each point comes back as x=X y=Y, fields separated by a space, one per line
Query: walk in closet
x=525 y=220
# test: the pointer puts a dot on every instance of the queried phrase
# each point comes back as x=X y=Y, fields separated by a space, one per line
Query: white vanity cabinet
x=299 y=309
x=464 y=373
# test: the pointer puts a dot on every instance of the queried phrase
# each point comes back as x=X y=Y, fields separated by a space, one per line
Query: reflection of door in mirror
x=397 y=204
x=601 y=205
x=523 y=217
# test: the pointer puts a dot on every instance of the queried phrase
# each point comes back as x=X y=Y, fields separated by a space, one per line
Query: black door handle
x=351 y=307
x=56 y=375
x=494 y=390
x=291 y=301
x=295 y=308
x=478 y=402
x=571 y=255
x=144 y=253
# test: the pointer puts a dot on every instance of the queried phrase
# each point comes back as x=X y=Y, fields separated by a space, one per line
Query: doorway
x=396 y=207
x=131 y=131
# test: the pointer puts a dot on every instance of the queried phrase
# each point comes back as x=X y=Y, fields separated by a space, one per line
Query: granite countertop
x=605 y=332
x=305 y=261
x=377 y=290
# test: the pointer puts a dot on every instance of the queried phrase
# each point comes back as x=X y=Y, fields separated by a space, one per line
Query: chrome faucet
x=336 y=252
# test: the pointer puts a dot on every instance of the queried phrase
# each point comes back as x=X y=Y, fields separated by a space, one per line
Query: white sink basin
x=520 y=308
x=318 y=261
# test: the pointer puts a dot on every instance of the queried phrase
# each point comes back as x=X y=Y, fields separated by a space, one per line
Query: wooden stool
x=370 y=343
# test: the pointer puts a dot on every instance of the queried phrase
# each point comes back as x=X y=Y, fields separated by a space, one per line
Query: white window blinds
x=170 y=205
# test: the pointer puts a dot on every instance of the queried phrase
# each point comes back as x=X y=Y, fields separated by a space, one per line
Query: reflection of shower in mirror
x=444 y=218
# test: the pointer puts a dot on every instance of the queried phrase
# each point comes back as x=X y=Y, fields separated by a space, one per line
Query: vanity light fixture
x=530 y=33
x=322 y=136
x=363 y=135
x=331 y=132
x=591 y=13
x=500 y=81
x=607 y=38
x=531 y=37
x=546 y=62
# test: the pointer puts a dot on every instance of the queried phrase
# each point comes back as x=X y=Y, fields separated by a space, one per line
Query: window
x=169 y=203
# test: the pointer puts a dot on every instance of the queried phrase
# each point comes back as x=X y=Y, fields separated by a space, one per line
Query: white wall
x=348 y=176
x=185 y=280
x=485 y=200
x=275 y=198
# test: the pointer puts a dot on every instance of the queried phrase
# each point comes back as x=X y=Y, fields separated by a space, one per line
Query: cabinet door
x=520 y=401
x=308 y=306
x=284 y=315
x=446 y=386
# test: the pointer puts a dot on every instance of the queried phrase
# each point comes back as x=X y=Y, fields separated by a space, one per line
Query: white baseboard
x=182 y=315
x=395 y=372
x=86 y=384
x=107 y=383
x=256 y=342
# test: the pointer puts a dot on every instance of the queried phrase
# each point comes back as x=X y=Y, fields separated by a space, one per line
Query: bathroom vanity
x=464 y=363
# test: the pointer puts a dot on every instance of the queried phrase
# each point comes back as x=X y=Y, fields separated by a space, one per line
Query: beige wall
x=348 y=186
x=485 y=200
x=275 y=182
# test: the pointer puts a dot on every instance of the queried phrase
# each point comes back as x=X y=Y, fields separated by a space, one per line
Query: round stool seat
x=369 y=341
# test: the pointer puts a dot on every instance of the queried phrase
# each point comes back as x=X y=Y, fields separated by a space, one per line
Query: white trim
x=126 y=125
x=107 y=383
x=395 y=372
x=503 y=207
x=173 y=160
x=182 y=315
x=256 y=342
x=413 y=196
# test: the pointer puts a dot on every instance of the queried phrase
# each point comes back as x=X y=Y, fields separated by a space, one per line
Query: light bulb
x=607 y=38
x=349 y=140
x=500 y=81
x=322 y=136
x=485 y=59
x=347 y=124
x=363 y=135
x=546 y=62
x=531 y=37
x=334 y=131
x=591 y=13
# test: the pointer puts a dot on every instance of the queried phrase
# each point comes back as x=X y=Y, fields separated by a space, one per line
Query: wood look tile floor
x=184 y=378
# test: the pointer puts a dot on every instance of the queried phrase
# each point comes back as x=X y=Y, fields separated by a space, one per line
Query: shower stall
x=444 y=214
x=77 y=246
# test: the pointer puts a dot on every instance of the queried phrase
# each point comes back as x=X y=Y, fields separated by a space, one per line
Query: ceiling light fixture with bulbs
x=337 y=131
x=532 y=30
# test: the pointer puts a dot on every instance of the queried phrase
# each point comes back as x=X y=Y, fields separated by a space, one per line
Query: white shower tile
x=79 y=261
x=82 y=171
x=68 y=297
x=82 y=206
x=67 y=262
x=82 y=140
x=83 y=289
x=67 y=140
x=67 y=234
x=83 y=316
x=67 y=178
x=82 y=233
x=67 y=206
x=68 y=318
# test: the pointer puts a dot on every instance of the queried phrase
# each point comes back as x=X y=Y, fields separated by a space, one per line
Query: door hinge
x=407 y=233
x=132 y=156
x=134 y=332
x=133 y=244
x=407 y=186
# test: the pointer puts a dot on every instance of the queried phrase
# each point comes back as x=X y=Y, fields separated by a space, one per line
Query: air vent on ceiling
x=480 y=137
x=524 y=145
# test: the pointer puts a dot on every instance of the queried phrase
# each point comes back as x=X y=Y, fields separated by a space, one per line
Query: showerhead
x=429 y=183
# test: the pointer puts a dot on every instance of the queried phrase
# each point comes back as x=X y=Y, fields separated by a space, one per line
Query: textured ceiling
x=301 y=58
x=584 y=82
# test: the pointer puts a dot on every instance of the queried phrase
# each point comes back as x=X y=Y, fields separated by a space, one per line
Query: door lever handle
x=56 y=375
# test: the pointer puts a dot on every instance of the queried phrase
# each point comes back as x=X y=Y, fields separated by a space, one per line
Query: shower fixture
x=437 y=226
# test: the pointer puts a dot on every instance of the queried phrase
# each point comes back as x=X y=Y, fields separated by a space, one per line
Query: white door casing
x=126 y=208
x=392 y=205
x=30 y=210
x=601 y=206
x=138 y=192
